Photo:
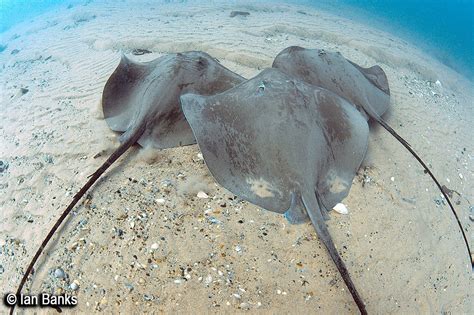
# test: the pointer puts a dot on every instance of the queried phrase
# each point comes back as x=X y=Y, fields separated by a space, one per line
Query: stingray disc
x=147 y=94
x=273 y=137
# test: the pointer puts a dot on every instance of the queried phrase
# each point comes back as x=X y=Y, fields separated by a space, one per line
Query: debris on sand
x=341 y=208
x=59 y=273
x=202 y=195
x=235 y=13
x=74 y=285
x=139 y=51
x=3 y=166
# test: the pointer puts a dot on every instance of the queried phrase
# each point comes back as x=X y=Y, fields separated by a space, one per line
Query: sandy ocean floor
x=142 y=241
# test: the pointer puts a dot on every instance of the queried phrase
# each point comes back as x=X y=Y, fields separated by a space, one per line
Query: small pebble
x=59 y=273
x=129 y=287
x=160 y=200
x=341 y=208
x=166 y=183
x=74 y=286
x=3 y=166
x=392 y=179
x=202 y=195
x=154 y=246
x=244 y=306
x=208 y=280
x=214 y=220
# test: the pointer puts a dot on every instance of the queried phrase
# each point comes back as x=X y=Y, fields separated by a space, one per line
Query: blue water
x=15 y=11
x=444 y=28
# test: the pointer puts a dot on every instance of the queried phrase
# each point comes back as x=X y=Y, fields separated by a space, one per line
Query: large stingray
x=142 y=101
x=284 y=145
x=366 y=88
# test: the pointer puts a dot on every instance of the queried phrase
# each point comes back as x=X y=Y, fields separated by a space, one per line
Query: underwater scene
x=236 y=156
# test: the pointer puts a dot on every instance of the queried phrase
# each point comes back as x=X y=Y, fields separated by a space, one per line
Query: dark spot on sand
x=3 y=166
x=140 y=51
x=448 y=191
x=242 y=13
x=14 y=52
x=3 y=47
x=23 y=91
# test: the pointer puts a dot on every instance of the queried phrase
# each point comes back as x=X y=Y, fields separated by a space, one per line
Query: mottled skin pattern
x=366 y=88
x=317 y=140
x=148 y=93
x=284 y=145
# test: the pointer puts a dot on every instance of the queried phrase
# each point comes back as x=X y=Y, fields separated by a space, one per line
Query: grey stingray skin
x=366 y=88
x=146 y=96
x=284 y=145
x=272 y=138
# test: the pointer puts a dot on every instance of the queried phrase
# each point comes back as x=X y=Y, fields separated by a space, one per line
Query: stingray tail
x=314 y=210
x=92 y=179
x=427 y=170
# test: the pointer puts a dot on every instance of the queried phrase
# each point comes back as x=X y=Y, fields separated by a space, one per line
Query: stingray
x=141 y=100
x=365 y=88
x=283 y=145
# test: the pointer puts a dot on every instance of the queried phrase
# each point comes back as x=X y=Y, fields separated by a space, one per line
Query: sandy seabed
x=141 y=241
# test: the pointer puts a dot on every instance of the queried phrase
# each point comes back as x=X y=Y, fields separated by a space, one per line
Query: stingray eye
x=201 y=63
x=261 y=88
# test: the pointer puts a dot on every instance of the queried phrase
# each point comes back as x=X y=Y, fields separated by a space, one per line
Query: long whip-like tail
x=427 y=170
x=313 y=208
x=92 y=179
